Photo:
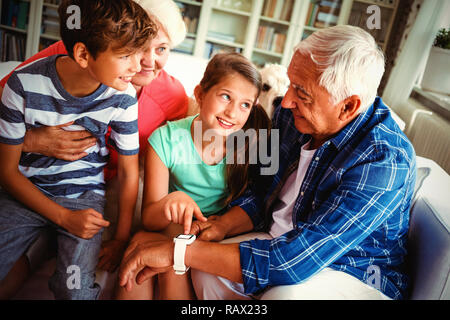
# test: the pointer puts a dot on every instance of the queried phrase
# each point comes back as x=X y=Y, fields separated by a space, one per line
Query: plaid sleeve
x=369 y=194
x=251 y=204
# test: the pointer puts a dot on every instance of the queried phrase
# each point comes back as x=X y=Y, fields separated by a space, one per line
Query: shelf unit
x=36 y=38
x=191 y=11
x=15 y=23
x=264 y=31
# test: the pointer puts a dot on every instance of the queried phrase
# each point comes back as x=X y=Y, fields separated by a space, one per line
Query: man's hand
x=58 y=143
x=143 y=260
x=83 y=223
x=111 y=254
x=211 y=230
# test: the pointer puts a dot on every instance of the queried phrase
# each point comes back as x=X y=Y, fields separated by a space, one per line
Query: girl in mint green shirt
x=187 y=173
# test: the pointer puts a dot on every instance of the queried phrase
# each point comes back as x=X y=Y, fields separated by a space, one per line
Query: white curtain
x=414 y=55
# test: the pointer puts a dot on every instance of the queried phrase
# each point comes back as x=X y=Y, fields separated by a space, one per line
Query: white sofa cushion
x=429 y=235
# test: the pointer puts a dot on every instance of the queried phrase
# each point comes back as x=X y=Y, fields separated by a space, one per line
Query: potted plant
x=437 y=72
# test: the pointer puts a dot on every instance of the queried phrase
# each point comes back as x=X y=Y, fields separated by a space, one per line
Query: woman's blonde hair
x=168 y=15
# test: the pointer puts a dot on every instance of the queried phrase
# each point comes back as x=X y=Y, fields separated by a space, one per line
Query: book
x=14 y=13
x=314 y=12
x=277 y=44
x=187 y=46
x=22 y=14
x=324 y=11
x=12 y=46
x=278 y=8
x=13 y=10
x=266 y=7
x=308 y=14
x=211 y=49
x=221 y=36
x=327 y=18
x=286 y=12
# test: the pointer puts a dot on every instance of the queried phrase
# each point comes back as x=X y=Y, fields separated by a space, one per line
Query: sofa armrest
x=429 y=235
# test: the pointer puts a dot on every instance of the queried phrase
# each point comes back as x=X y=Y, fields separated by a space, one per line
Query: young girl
x=186 y=172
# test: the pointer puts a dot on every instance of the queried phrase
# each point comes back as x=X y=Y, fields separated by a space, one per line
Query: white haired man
x=335 y=215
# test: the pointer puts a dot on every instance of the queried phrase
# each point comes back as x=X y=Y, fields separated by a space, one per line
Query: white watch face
x=185 y=236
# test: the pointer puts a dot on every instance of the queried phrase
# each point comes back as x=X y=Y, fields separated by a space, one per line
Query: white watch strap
x=178 y=257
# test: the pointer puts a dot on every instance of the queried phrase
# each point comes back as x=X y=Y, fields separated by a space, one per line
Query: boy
x=91 y=88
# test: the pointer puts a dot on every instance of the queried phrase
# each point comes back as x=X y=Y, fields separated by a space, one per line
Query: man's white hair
x=349 y=61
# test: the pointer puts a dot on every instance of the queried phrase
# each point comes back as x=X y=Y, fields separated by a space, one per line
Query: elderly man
x=335 y=215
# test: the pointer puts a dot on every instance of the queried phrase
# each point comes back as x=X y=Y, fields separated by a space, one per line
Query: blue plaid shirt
x=352 y=211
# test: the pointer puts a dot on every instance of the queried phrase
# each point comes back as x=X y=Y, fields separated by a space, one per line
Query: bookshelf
x=14 y=26
x=38 y=28
x=190 y=10
x=264 y=31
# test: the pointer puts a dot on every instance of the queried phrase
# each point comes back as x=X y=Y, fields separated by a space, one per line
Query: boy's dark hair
x=238 y=175
x=122 y=24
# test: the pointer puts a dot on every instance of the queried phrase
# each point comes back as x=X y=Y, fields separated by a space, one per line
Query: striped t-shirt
x=34 y=97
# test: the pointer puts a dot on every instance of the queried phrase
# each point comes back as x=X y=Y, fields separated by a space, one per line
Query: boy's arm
x=82 y=223
x=128 y=176
x=15 y=183
x=54 y=141
x=124 y=137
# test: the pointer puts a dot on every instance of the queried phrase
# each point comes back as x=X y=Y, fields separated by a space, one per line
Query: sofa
x=428 y=259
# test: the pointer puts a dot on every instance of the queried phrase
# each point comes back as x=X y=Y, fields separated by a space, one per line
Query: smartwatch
x=181 y=241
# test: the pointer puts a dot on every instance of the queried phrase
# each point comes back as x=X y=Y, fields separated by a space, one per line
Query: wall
x=428 y=131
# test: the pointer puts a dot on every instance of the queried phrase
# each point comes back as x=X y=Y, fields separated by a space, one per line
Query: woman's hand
x=180 y=208
x=58 y=143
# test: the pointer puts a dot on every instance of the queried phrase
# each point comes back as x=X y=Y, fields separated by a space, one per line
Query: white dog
x=275 y=85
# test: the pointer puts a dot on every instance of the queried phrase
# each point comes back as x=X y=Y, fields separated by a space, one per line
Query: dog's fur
x=275 y=85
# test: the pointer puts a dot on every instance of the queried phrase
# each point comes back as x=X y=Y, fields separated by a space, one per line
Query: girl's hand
x=111 y=254
x=180 y=208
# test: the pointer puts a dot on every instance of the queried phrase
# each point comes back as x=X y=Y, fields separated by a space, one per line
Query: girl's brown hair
x=241 y=176
x=238 y=176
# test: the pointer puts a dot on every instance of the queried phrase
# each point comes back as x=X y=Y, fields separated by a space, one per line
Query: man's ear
x=198 y=92
x=350 y=108
x=81 y=54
